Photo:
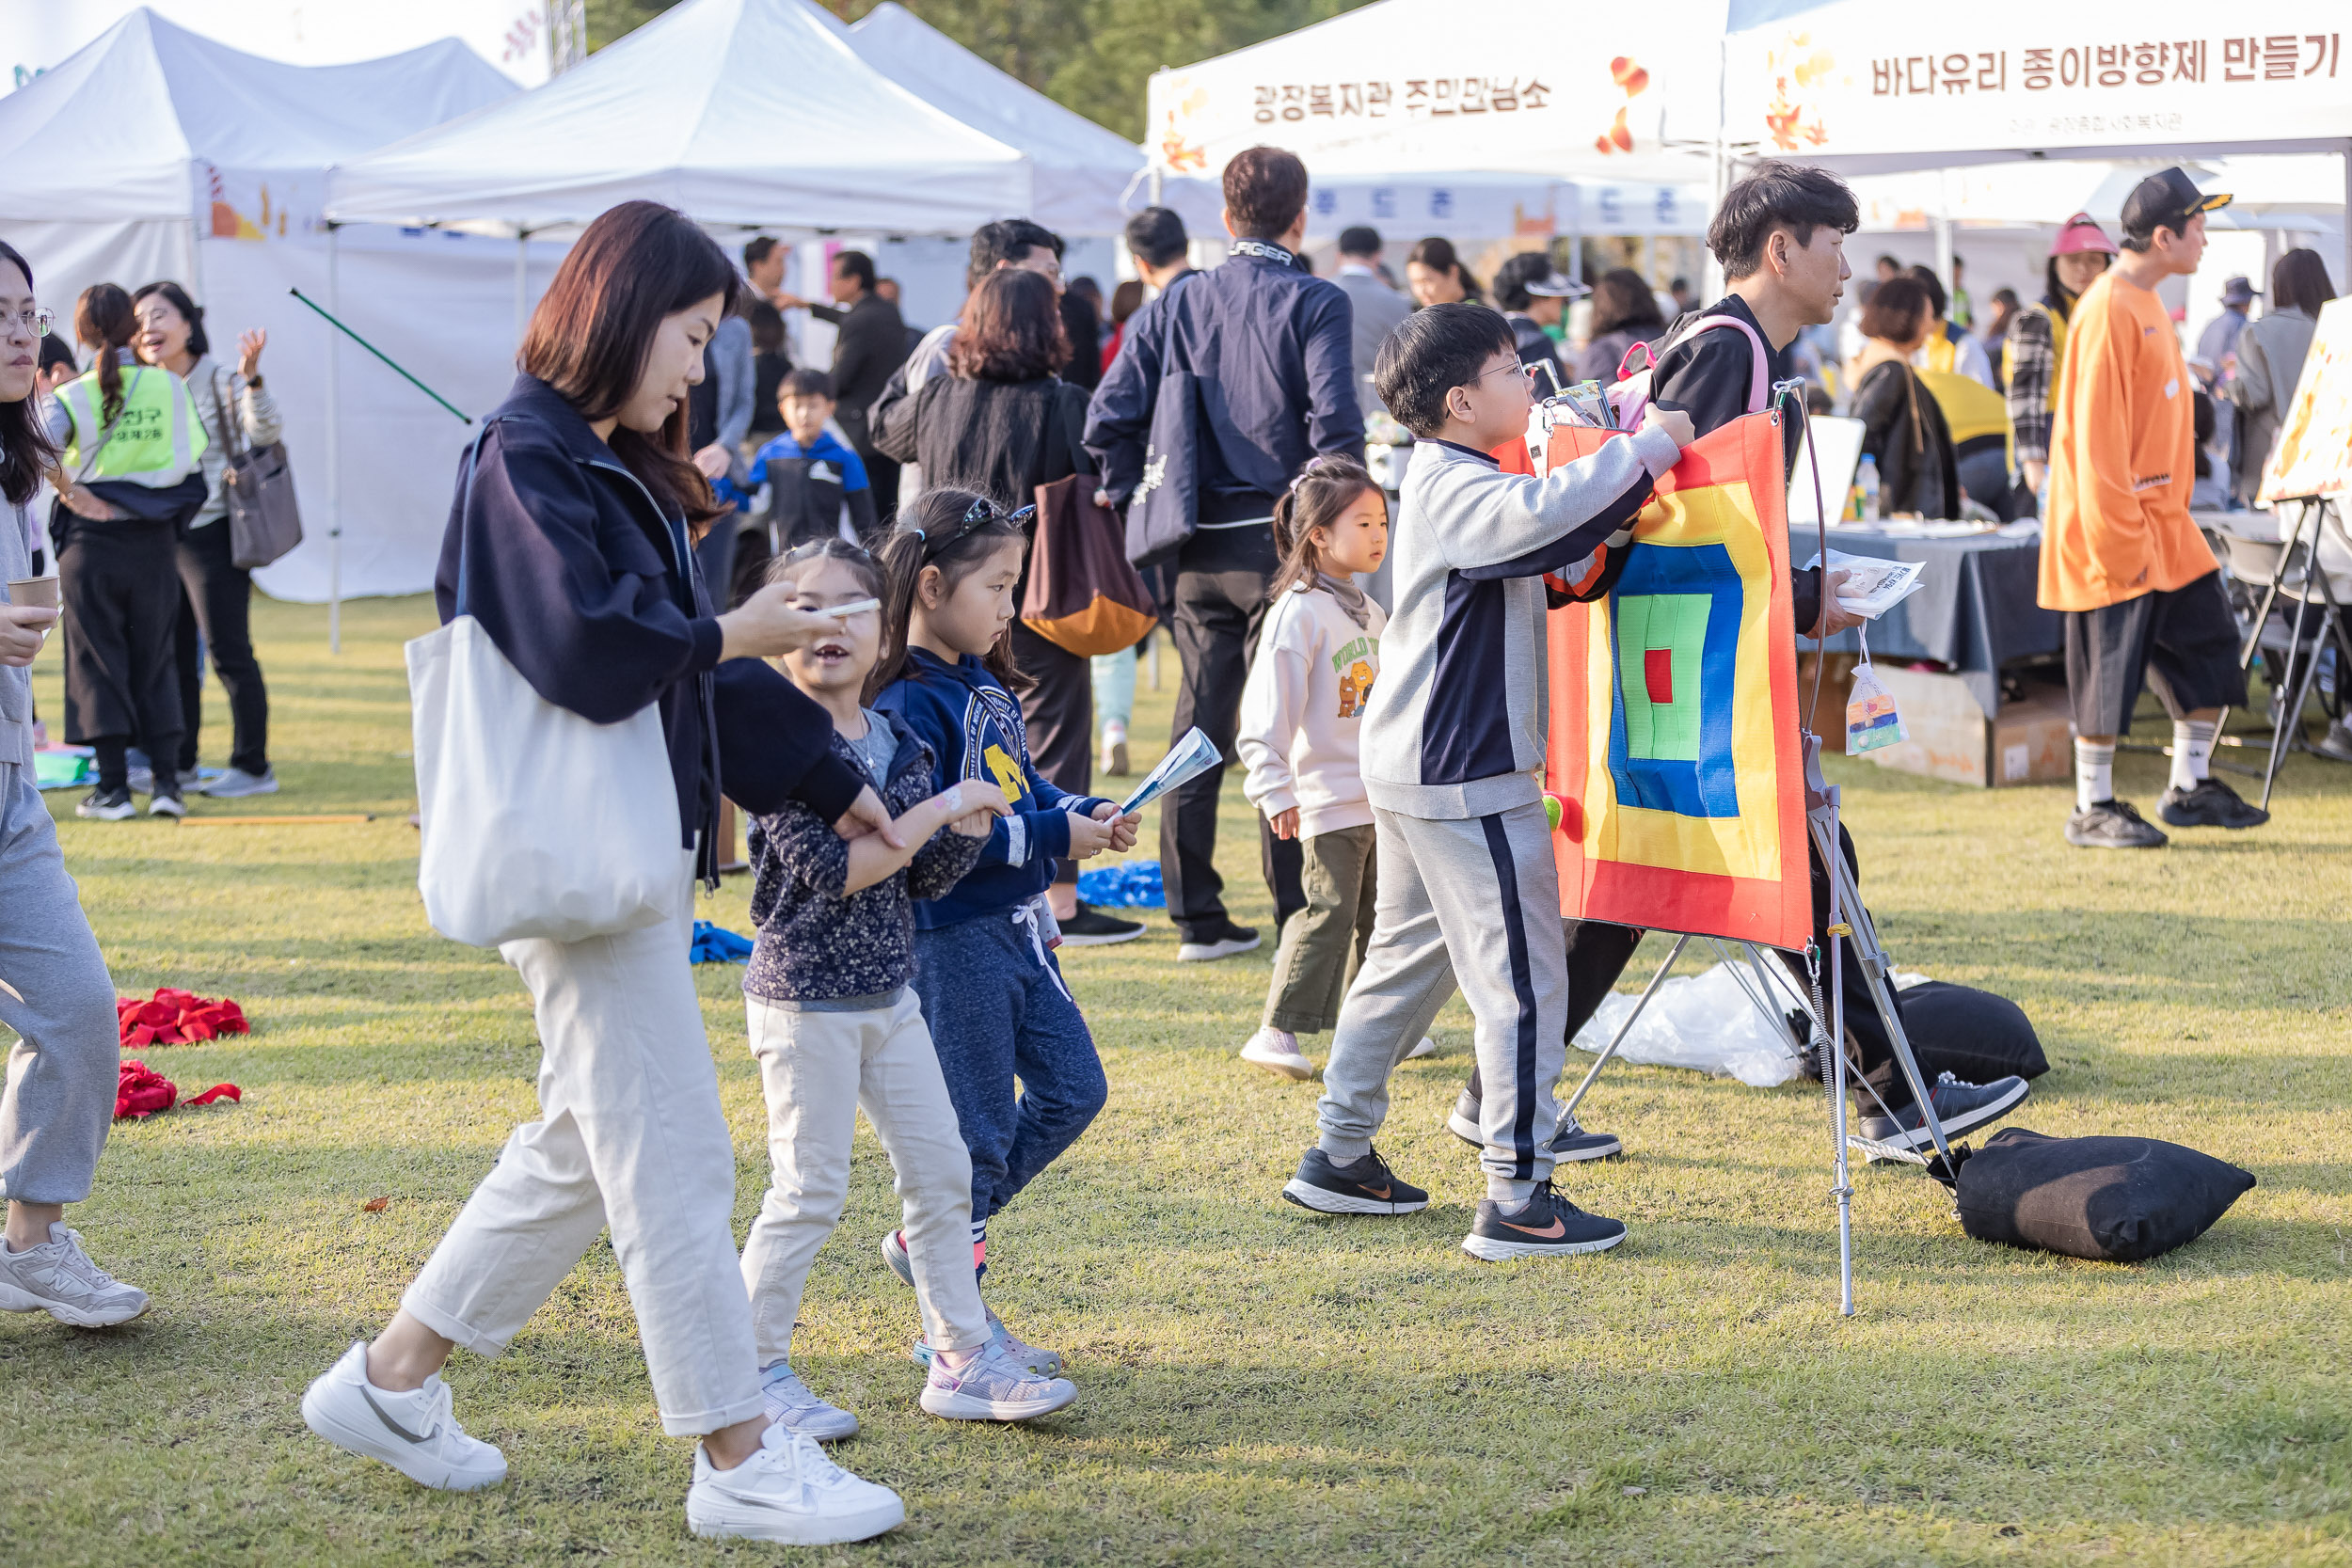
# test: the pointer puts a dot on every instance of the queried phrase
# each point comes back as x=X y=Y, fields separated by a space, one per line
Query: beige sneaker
x=1277 y=1050
x=57 y=1277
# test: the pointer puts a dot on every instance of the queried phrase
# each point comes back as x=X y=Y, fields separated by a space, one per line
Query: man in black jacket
x=872 y=345
x=1270 y=345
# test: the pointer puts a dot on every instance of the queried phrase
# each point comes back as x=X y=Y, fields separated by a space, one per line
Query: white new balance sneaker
x=414 y=1431
x=57 y=1277
x=789 y=1492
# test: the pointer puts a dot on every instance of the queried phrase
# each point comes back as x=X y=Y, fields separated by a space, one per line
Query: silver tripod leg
x=1623 y=1029
x=1863 y=937
x=1842 y=1190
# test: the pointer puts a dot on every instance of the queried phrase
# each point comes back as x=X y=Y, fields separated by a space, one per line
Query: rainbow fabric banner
x=1674 y=745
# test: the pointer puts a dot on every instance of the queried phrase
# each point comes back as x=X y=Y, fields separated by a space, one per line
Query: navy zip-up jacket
x=592 y=594
x=973 y=727
x=1272 y=347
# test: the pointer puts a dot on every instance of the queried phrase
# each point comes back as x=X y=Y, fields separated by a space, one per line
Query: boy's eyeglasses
x=977 y=516
x=1526 y=371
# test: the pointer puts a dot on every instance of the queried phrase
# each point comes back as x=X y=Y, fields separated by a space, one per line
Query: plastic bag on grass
x=1704 y=1021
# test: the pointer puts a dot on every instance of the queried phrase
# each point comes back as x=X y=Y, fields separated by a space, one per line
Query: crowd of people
x=822 y=599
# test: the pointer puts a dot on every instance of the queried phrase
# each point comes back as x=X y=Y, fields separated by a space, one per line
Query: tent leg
x=522 y=285
x=334 y=455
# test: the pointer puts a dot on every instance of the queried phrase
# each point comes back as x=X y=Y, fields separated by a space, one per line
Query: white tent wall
x=67 y=258
x=36 y=35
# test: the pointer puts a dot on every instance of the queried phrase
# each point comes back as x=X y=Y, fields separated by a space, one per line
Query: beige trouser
x=629 y=1134
x=818 y=1069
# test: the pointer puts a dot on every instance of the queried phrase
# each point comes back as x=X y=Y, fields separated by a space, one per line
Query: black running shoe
x=1091 y=928
x=1548 y=1227
x=2211 y=804
x=1364 y=1186
x=1571 y=1143
x=2113 y=825
x=1960 y=1105
x=106 y=805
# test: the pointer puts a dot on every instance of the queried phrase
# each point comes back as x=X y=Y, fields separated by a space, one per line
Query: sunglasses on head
x=981 y=513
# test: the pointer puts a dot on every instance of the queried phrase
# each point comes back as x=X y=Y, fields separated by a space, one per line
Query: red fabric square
x=1658 y=674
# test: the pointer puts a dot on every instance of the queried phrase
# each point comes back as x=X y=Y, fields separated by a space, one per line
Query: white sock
x=2094 y=773
x=2192 y=753
x=1509 y=1195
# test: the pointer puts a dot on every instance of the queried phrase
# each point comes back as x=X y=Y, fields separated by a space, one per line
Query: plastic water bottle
x=1866 y=483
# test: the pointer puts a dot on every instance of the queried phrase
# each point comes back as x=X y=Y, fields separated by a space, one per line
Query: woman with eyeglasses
x=1002 y=422
x=216 y=594
x=572 y=536
x=57 y=1100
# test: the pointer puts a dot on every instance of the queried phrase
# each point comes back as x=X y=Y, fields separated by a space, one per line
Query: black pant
x=1057 y=711
x=216 y=602
x=882 y=474
x=121 y=592
x=1598 y=954
x=1220 y=593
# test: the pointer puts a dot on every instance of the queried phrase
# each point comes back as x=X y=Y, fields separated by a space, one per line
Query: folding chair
x=2307 y=568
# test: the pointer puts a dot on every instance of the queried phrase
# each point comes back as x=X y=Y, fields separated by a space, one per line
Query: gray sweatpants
x=1474 y=902
x=61 y=1095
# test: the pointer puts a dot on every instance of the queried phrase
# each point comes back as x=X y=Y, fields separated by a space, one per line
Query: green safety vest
x=158 y=438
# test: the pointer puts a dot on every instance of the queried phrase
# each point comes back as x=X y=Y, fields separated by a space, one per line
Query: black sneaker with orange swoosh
x=1362 y=1186
x=1548 y=1227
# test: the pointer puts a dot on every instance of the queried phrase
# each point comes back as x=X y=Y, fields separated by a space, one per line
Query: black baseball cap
x=2166 y=199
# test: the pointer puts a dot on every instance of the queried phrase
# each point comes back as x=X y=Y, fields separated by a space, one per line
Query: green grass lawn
x=1259 y=1385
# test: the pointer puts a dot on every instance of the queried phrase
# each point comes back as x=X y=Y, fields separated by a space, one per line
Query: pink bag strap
x=1755 y=375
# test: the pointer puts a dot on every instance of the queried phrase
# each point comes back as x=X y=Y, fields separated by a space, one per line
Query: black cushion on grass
x=1973 y=1034
x=2115 y=1199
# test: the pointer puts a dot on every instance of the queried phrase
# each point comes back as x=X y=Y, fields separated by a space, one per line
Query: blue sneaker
x=1548 y=1227
x=799 y=1412
x=1960 y=1105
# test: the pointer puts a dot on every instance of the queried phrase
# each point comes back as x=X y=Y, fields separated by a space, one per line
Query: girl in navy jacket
x=984 y=964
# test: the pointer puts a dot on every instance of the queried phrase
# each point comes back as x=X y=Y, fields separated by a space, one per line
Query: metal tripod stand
x=1849 y=919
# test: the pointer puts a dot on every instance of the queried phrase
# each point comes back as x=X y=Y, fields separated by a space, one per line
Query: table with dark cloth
x=1974 y=608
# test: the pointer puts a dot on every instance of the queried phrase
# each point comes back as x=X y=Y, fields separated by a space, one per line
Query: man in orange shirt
x=2138 y=586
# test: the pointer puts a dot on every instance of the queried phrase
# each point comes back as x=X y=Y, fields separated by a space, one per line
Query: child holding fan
x=836 y=1026
x=1318 y=653
x=984 y=966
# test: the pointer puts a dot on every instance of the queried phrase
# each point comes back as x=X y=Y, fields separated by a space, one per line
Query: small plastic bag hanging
x=1872 y=720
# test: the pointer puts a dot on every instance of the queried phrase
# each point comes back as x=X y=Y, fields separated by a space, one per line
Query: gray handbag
x=258 y=485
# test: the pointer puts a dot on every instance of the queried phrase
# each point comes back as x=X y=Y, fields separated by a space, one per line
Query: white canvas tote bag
x=536 y=822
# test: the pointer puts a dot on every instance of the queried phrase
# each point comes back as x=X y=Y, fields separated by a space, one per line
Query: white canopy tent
x=1864 y=88
x=512 y=34
x=743 y=113
x=1082 y=170
x=157 y=153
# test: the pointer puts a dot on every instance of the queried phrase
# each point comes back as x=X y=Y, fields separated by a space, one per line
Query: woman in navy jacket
x=574 y=524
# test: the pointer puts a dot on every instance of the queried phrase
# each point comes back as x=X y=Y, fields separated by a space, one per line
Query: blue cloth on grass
x=1128 y=884
x=716 y=944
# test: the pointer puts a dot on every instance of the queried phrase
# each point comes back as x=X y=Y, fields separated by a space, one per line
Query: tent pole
x=2347 y=273
x=522 y=285
x=334 y=454
x=1943 y=227
x=1575 y=231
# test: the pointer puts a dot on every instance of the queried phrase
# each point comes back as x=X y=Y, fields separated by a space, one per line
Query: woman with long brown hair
x=571 y=543
x=59 y=1099
x=1002 y=422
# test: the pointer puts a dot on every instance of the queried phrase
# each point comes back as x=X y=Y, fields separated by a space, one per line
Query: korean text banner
x=1861 y=79
x=1673 y=747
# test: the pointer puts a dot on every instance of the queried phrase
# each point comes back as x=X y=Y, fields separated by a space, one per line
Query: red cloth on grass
x=176 y=1018
x=141 y=1091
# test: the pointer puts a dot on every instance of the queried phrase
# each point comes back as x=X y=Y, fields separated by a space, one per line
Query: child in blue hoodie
x=983 y=952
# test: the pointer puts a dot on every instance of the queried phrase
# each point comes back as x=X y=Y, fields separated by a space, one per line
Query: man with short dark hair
x=2122 y=560
x=1378 y=308
x=763 y=266
x=871 y=346
x=1162 y=250
x=1533 y=294
x=1274 y=343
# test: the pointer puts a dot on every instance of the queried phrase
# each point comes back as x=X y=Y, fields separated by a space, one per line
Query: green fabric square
x=1663 y=731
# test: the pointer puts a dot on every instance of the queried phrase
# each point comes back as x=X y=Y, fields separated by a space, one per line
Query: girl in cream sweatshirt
x=1318 y=653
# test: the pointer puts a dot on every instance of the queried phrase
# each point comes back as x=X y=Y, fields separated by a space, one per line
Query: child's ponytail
x=1324 y=489
x=954 y=530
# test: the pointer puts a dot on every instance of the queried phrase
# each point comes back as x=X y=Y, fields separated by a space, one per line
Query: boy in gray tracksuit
x=1453 y=757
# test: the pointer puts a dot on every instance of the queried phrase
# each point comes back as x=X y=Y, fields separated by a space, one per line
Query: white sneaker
x=1115 y=748
x=994 y=1385
x=413 y=1431
x=57 y=1277
x=794 y=1406
x=235 y=783
x=1426 y=1047
x=1277 y=1050
x=789 y=1492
